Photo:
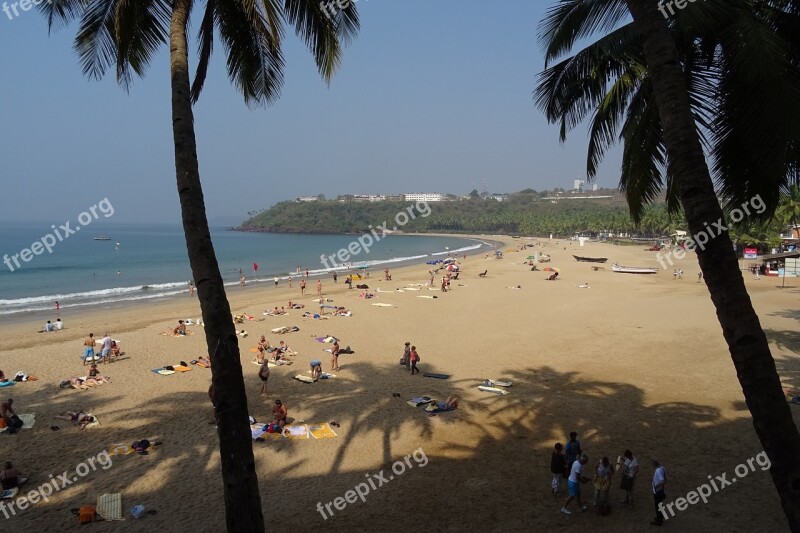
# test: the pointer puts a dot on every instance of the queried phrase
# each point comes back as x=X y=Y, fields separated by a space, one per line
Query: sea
x=143 y=262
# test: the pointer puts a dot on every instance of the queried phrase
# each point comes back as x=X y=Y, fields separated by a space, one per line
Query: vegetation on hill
x=524 y=213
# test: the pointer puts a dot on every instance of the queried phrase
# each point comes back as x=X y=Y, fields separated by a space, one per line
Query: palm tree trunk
x=242 y=499
x=740 y=325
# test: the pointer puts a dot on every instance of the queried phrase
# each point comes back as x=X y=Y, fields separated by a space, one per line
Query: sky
x=430 y=97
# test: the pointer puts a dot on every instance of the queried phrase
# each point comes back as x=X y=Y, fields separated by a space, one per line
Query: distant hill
x=524 y=213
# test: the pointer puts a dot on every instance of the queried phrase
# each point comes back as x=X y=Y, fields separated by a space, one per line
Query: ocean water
x=143 y=262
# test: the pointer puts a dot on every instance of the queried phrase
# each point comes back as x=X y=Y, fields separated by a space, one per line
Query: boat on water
x=102 y=238
x=633 y=270
x=590 y=259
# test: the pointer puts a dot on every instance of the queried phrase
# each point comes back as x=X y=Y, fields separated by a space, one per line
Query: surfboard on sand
x=493 y=390
x=304 y=379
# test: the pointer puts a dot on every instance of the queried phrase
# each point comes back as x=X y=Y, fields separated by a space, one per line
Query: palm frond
x=323 y=32
x=254 y=57
x=59 y=13
x=205 y=40
x=570 y=20
x=140 y=27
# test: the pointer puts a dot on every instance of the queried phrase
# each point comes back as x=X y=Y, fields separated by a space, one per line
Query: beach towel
x=420 y=400
x=28 y=420
x=257 y=430
x=162 y=371
x=181 y=368
x=328 y=339
x=429 y=297
x=493 y=383
x=436 y=376
x=94 y=422
x=493 y=390
x=9 y=493
x=7 y=383
x=304 y=379
x=324 y=375
x=109 y=506
x=296 y=431
x=411 y=289
x=120 y=449
x=322 y=431
x=384 y=305
x=281 y=330
x=201 y=364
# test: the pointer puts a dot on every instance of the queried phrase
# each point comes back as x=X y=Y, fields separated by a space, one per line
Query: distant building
x=577 y=185
x=498 y=197
x=395 y=197
x=424 y=197
x=369 y=197
x=594 y=187
x=308 y=199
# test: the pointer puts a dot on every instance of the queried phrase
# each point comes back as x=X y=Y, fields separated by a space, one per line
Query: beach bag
x=403 y=361
x=86 y=514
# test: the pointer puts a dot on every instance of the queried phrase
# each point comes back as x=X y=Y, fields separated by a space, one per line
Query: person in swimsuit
x=105 y=349
x=10 y=477
x=180 y=329
x=263 y=344
x=88 y=348
x=79 y=417
x=263 y=374
x=335 y=357
x=302 y=287
x=316 y=369
x=279 y=413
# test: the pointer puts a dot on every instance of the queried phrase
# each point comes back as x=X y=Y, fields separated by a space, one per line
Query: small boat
x=590 y=259
x=633 y=270
x=102 y=238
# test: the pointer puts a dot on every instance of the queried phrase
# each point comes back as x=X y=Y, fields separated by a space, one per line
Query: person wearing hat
x=406 y=353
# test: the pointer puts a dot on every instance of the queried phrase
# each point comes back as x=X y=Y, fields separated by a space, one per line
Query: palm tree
x=788 y=211
x=126 y=34
x=670 y=78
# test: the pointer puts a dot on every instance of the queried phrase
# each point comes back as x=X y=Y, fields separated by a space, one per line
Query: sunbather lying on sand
x=449 y=404
x=291 y=305
x=584 y=286
x=79 y=417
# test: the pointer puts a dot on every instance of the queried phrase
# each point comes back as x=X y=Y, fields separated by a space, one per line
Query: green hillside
x=525 y=213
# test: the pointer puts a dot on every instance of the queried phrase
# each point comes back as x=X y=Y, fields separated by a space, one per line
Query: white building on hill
x=424 y=197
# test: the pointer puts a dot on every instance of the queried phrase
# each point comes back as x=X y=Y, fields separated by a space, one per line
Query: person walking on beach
x=105 y=348
x=263 y=374
x=302 y=287
x=319 y=288
x=349 y=282
x=406 y=356
x=58 y=308
x=602 y=482
x=557 y=468
x=433 y=275
x=659 y=482
x=574 y=481
x=88 y=348
x=413 y=356
x=306 y=272
x=335 y=277
x=630 y=469
x=241 y=280
x=276 y=281
x=290 y=282
x=191 y=289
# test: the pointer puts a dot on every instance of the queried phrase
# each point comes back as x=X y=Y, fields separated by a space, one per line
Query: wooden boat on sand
x=633 y=270
x=590 y=259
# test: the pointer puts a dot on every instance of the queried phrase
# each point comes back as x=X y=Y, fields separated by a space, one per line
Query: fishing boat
x=633 y=270
x=590 y=259
x=102 y=238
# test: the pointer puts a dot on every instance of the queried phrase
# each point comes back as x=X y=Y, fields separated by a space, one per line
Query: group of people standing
x=410 y=358
x=569 y=461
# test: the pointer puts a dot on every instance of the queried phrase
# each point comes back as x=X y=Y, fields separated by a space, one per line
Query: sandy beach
x=634 y=361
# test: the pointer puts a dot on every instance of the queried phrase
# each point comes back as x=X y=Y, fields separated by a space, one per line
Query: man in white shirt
x=105 y=351
x=630 y=470
x=59 y=324
x=574 y=481
x=659 y=482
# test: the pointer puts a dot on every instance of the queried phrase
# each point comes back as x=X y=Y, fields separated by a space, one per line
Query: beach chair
x=483 y=274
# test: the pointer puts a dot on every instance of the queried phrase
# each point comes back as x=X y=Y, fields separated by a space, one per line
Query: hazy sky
x=431 y=97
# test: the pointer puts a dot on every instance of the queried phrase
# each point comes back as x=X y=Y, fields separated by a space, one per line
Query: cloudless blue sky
x=431 y=97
